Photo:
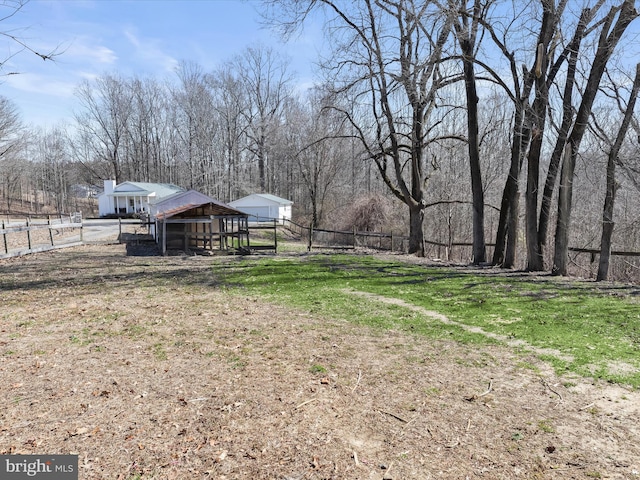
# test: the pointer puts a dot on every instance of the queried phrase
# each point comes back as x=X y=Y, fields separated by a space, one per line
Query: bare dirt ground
x=146 y=367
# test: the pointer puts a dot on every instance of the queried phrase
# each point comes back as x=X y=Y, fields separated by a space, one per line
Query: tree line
x=508 y=123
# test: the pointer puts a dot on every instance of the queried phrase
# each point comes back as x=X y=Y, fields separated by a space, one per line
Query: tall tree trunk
x=610 y=196
x=504 y=253
x=607 y=222
x=564 y=207
x=609 y=38
x=479 y=246
x=512 y=234
x=467 y=38
x=416 y=232
x=567 y=120
x=535 y=260
x=528 y=134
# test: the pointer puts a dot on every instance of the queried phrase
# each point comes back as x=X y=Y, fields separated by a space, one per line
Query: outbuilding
x=263 y=207
x=191 y=221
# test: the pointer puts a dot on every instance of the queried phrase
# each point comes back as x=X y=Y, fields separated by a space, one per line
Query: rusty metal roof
x=200 y=210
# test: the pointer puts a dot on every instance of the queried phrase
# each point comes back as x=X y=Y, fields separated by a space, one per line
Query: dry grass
x=148 y=368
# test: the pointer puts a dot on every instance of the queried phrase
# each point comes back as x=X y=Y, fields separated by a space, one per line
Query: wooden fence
x=317 y=238
x=39 y=235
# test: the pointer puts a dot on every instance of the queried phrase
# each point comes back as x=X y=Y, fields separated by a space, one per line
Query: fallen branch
x=549 y=387
x=475 y=397
x=394 y=416
x=357 y=382
x=304 y=403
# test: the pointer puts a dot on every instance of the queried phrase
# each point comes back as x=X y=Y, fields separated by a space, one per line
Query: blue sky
x=147 y=38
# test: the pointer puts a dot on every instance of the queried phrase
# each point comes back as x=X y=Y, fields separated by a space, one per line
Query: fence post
x=275 y=236
x=391 y=241
x=355 y=243
x=50 y=230
x=310 y=237
x=119 y=230
x=4 y=235
x=28 y=234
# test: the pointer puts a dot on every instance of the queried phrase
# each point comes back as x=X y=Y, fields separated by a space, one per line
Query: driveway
x=99 y=230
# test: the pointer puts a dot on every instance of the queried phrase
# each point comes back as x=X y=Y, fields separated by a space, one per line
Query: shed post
x=164 y=237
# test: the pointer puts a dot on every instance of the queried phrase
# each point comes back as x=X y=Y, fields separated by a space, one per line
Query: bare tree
x=148 y=123
x=613 y=27
x=467 y=26
x=195 y=124
x=103 y=120
x=50 y=158
x=230 y=103
x=386 y=70
x=265 y=78
x=12 y=141
x=8 y=10
x=318 y=144
x=611 y=183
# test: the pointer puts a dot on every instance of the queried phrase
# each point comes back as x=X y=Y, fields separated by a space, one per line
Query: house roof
x=200 y=209
x=193 y=194
x=266 y=196
x=161 y=190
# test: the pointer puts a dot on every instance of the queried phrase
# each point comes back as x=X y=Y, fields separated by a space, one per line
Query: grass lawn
x=579 y=327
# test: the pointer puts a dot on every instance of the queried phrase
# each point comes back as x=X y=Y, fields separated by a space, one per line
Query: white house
x=263 y=206
x=132 y=197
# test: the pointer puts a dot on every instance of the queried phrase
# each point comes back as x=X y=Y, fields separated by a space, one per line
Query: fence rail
x=33 y=236
x=319 y=238
x=39 y=235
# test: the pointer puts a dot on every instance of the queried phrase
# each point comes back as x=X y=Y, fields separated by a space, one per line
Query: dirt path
x=469 y=328
x=147 y=368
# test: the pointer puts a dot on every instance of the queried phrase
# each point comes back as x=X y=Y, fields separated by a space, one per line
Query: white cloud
x=42 y=85
x=87 y=53
x=150 y=52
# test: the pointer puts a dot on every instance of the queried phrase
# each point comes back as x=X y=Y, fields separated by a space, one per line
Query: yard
x=194 y=367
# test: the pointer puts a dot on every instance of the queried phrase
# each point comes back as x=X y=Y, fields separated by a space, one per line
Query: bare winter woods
x=510 y=126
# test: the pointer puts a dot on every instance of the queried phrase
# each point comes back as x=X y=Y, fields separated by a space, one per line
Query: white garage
x=263 y=207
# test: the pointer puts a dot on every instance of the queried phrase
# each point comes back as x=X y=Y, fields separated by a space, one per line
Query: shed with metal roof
x=204 y=225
